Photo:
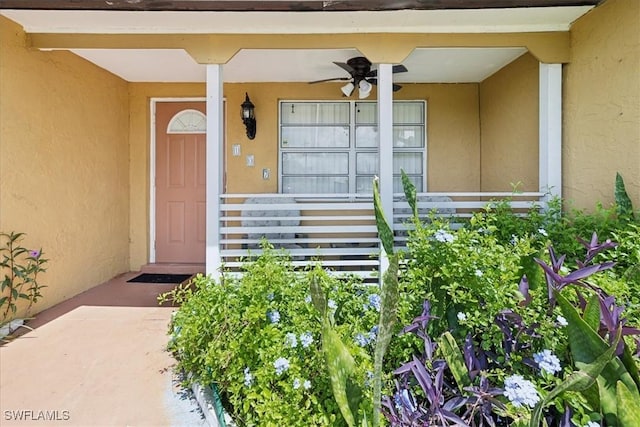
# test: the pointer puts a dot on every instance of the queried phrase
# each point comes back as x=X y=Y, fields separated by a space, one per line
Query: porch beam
x=393 y=48
x=550 y=132
x=385 y=133
x=215 y=167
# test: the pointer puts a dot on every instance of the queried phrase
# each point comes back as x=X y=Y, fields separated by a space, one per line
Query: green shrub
x=240 y=334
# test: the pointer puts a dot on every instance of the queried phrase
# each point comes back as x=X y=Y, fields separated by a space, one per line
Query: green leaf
x=624 y=206
x=579 y=380
x=409 y=193
x=388 y=314
x=340 y=365
x=585 y=343
x=384 y=231
x=317 y=294
x=452 y=354
x=592 y=313
x=629 y=363
x=628 y=406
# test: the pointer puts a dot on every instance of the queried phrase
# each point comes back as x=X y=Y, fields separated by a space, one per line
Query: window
x=332 y=147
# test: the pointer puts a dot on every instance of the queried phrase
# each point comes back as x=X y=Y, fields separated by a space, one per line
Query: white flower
x=592 y=424
x=543 y=232
x=332 y=304
x=274 y=316
x=281 y=364
x=291 y=340
x=520 y=391
x=561 y=321
x=270 y=296
x=307 y=299
x=461 y=316
x=443 y=236
x=306 y=338
x=547 y=361
x=306 y=384
x=248 y=377
x=479 y=273
x=296 y=384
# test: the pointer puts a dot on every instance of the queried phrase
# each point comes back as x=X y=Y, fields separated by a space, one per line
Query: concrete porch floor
x=97 y=359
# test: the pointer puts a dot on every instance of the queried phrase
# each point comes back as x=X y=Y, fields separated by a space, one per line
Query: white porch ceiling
x=439 y=65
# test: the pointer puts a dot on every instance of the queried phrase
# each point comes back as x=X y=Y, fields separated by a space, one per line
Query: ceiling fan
x=361 y=76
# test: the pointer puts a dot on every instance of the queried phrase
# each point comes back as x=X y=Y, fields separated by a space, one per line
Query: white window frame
x=352 y=150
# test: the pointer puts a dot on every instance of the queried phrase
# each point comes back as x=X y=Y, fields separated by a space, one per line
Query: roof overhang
x=445 y=44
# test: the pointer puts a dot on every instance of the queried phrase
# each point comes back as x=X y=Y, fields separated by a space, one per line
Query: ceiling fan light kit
x=347 y=89
x=361 y=76
x=364 y=89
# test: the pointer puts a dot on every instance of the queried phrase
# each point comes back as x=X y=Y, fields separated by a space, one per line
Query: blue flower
x=306 y=338
x=520 y=391
x=307 y=299
x=373 y=333
x=361 y=340
x=374 y=301
x=547 y=361
x=443 y=236
x=248 y=377
x=332 y=304
x=306 y=384
x=274 y=316
x=291 y=340
x=296 y=384
x=403 y=400
x=270 y=296
x=282 y=365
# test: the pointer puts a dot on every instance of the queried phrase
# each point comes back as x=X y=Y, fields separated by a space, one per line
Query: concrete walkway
x=98 y=359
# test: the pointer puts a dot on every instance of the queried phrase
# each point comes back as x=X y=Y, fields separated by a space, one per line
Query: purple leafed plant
x=611 y=320
x=427 y=392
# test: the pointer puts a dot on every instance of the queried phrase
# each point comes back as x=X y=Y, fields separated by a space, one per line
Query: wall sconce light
x=249 y=116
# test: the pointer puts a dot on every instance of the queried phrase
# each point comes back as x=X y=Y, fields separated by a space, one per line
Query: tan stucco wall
x=509 y=127
x=602 y=105
x=63 y=163
x=453 y=139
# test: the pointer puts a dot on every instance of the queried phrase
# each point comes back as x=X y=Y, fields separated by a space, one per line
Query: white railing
x=337 y=230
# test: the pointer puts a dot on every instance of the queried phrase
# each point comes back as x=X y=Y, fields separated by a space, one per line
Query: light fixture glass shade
x=364 y=89
x=347 y=89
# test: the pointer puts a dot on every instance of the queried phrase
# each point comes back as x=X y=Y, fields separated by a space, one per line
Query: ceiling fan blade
x=344 y=79
x=399 y=69
x=375 y=82
x=345 y=67
x=396 y=69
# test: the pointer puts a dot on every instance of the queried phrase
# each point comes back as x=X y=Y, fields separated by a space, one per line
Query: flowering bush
x=258 y=339
x=500 y=331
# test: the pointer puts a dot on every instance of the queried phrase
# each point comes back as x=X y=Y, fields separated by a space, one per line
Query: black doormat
x=160 y=278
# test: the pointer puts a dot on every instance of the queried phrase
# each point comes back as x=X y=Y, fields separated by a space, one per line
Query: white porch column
x=385 y=133
x=550 y=143
x=215 y=167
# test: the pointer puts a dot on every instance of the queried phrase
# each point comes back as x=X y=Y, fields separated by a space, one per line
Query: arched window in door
x=188 y=121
